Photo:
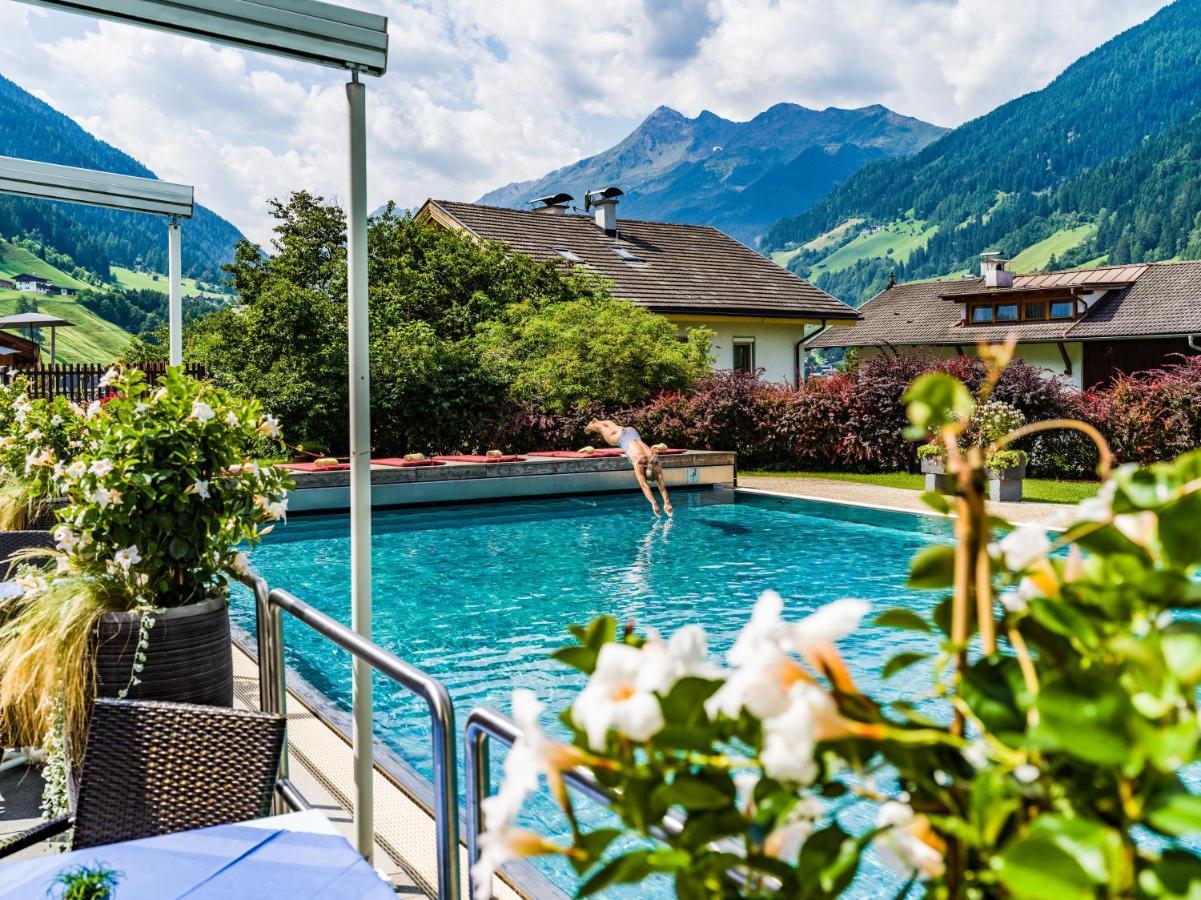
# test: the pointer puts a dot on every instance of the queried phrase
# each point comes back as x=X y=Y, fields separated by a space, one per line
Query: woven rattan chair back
x=12 y=542
x=157 y=768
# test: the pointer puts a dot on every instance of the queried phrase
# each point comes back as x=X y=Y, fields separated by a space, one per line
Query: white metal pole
x=175 y=298
x=360 y=462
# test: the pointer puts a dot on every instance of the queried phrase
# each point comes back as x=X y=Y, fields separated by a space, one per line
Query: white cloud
x=479 y=94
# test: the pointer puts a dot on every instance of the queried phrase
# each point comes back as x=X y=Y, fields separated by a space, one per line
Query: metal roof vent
x=554 y=204
x=605 y=203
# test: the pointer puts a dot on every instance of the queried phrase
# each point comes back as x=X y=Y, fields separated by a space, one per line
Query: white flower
x=34 y=436
x=1140 y=527
x=788 y=745
x=127 y=557
x=201 y=411
x=761 y=686
x=200 y=488
x=761 y=632
x=140 y=407
x=76 y=470
x=786 y=840
x=102 y=497
x=101 y=467
x=617 y=698
x=64 y=537
x=269 y=427
x=908 y=844
x=832 y=622
x=1017 y=600
x=977 y=755
x=94 y=408
x=231 y=419
x=241 y=563
x=159 y=395
x=109 y=377
x=1098 y=508
x=684 y=655
x=1027 y=773
x=498 y=843
x=56 y=420
x=277 y=509
x=38 y=458
x=1023 y=547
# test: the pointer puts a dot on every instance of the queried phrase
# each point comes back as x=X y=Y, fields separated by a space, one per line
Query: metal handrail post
x=442 y=718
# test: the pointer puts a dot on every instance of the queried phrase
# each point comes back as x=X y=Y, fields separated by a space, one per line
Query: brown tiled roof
x=684 y=269
x=1163 y=299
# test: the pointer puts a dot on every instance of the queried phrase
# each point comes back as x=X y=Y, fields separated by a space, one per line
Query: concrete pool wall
x=533 y=477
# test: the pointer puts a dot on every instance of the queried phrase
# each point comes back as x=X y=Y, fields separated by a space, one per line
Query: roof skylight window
x=569 y=256
x=627 y=255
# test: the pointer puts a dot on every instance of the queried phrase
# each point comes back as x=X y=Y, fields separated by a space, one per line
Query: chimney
x=992 y=269
x=605 y=202
x=553 y=205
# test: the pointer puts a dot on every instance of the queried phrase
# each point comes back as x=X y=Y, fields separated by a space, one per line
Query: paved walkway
x=1052 y=515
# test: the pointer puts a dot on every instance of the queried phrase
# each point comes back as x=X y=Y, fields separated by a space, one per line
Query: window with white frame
x=744 y=354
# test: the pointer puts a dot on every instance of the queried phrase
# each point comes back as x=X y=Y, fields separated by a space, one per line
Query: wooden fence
x=80 y=382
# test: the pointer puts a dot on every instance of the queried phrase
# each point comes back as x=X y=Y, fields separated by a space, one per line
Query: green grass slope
x=144 y=281
x=17 y=260
x=895 y=241
x=1036 y=257
x=91 y=339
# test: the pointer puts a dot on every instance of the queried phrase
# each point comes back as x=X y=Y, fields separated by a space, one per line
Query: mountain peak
x=709 y=170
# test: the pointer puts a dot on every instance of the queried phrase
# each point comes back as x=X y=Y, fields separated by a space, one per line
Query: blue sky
x=483 y=92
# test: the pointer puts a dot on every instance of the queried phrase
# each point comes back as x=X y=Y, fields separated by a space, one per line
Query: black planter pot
x=189 y=658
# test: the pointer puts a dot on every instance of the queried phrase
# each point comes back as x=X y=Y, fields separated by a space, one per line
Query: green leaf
x=1175 y=812
x=934 y=400
x=593 y=844
x=1176 y=875
x=1038 y=870
x=902 y=618
x=1182 y=649
x=932 y=567
x=1088 y=722
x=684 y=704
x=632 y=867
x=694 y=794
x=902 y=661
x=991 y=688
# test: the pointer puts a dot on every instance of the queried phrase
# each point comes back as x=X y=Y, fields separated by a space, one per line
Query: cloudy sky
x=483 y=92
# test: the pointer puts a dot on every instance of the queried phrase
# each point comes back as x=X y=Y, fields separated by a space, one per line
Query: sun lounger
x=470 y=458
x=601 y=453
x=400 y=463
x=313 y=467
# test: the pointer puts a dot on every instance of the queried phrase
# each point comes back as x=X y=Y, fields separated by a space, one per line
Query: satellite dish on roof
x=591 y=198
x=559 y=199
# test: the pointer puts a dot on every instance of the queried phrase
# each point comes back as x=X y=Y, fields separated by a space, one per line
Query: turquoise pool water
x=477 y=595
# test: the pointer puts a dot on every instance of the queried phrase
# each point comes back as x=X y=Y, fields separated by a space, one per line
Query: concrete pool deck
x=1050 y=515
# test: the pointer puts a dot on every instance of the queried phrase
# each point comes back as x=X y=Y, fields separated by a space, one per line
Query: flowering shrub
x=39 y=437
x=1045 y=760
x=159 y=501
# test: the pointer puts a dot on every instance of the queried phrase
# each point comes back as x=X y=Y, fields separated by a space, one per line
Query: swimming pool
x=478 y=595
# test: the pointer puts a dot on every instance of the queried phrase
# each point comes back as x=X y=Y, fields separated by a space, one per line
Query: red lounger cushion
x=405 y=463
x=480 y=459
x=576 y=454
x=313 y=467
x=670 y=452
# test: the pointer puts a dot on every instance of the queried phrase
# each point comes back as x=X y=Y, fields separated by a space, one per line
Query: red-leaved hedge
x=853 y=420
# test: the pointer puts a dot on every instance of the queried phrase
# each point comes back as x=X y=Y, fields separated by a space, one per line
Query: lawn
x=1035 y=490
x=145 y=281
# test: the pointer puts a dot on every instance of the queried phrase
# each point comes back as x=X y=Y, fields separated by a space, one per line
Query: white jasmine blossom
x=908 y=844
x=76 y=470
x=109 y=377
x=1027 y=773
x=977 y=755
x=94 y=409
x=269 y=427
x=201 y=411
x=241 y=562
x=101 y=467
x=684 y=655
x=232 y=420
x=277 y=509
x=786 y=840
x=64 y=538
x=788 y=746
x=200 y=488
x=617 y=699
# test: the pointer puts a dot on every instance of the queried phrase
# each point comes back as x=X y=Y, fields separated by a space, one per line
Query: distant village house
x=693 y=275
x=1082 y=324
x=36 y=284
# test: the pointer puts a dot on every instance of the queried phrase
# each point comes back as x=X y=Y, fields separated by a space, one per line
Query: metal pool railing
x=269 y=606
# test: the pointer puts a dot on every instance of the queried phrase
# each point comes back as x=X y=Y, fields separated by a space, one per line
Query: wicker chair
x=13 y=542
x=157 y=768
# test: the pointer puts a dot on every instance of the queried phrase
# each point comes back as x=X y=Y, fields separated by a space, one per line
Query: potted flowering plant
x=159 y=505
x=1005 y=468
x=38 y=438
x=1044 y=761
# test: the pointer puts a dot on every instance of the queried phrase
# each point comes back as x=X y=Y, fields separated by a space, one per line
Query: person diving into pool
x=646 y=463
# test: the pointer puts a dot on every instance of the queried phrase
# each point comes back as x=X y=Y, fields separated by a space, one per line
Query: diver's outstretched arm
x=662 y=482
x=640 y=474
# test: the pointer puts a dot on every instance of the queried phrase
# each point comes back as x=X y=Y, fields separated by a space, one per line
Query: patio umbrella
x=32 y=320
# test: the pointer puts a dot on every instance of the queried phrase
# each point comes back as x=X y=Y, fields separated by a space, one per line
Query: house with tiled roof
x=1082 y=324
x=692 y=274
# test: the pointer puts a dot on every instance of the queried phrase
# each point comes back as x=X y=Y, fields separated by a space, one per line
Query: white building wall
x=775 y=344
x=1042 y=356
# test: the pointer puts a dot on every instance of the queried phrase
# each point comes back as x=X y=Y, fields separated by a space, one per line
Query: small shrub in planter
x=158 y=507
